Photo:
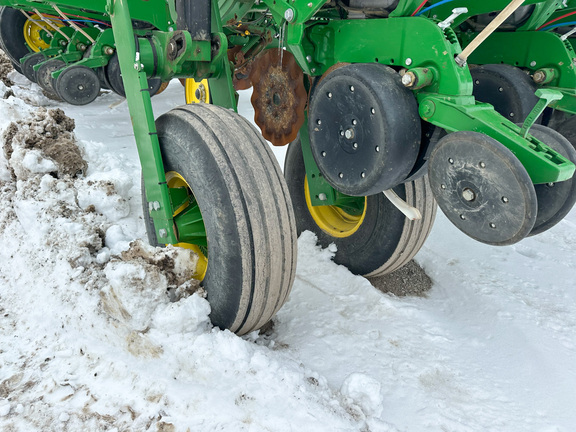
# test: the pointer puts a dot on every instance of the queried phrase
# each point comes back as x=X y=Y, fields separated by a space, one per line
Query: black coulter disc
x=78 y=85
x=507 y=88
x=482 y=188
x=44 y=76
x=555 y=200
x=29 y=63
x=364 y=129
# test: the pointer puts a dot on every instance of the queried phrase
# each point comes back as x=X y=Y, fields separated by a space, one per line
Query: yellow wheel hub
x=32 y=33
x=197 y=91
x=176 y=180
x=332 y=219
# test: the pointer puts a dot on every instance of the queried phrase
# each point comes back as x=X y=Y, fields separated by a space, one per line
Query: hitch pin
x=567 y=35
x=407 y=210
x=455 y=14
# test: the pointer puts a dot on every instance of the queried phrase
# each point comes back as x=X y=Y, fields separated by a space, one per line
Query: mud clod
x=51 y=133
x=410 y=280
x=5 y=68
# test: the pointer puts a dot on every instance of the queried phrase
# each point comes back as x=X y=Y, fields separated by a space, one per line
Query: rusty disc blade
x=279 y=96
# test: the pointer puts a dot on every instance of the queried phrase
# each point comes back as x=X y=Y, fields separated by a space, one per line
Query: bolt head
x=289 y=15
x=469 y=195
x=407 y=80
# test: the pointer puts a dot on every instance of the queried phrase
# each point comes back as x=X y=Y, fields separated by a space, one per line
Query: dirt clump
x=5 y=68
x=410 y=280
x=49 y=132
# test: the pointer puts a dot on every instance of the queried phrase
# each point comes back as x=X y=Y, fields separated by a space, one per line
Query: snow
x=90 y=339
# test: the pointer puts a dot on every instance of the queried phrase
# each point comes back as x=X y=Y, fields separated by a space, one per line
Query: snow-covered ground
x=90 y=341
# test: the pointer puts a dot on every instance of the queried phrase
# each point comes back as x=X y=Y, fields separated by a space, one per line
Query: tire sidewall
x=372 y=244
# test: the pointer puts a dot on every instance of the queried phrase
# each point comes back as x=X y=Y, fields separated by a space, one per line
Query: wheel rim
x=175 y=180
x=197 y=91
x=332 y=219
x=32 y=34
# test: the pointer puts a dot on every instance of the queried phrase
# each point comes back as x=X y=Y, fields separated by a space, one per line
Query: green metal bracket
x=140 y=107
x=221 y=85
x=281 y=10
x=543 y=164
x=542 y=12
x=546 y=96
x=414 y=42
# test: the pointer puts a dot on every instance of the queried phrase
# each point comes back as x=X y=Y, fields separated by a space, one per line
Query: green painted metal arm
x=546 y=97
x=543 y=164
x=140 y=106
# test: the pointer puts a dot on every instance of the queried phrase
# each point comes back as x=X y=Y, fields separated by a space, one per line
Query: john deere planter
x=374 y=99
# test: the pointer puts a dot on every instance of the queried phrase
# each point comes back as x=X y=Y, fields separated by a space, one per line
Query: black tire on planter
x=246 y=209
x=557 y=199
x=44 y=77
x=28 y=65
x=507 y=88
x=386 y=240
x=12 y=39
x=113 y=77
x=568 y=130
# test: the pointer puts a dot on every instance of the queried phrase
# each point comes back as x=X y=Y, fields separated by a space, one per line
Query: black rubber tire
x=44 y=77
x=12 y=39
x=78 y=85
x=507 y=88
x=369 y=101
x=482 y=188
x=554 y=200
x=568 y=130
x=385 y=241
x=116 y=84
x=28 y=65
x=246 y=208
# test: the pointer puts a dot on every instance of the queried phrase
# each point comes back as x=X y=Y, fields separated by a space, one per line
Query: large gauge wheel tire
x=244 y=202
x=376 y=243
x=12 y=39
